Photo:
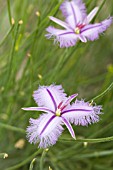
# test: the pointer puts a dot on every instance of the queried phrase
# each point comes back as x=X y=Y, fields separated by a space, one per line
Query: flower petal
x=44 y=109
x=45 y=130
x=49 y=96
x=68 y=125
x=82 y=38
x=92 y=31
x=66 y=38
x=82 y=113
x=70 y=98
x=58 y=21
x=76 y=9
x=66 y=104
x=92 y=14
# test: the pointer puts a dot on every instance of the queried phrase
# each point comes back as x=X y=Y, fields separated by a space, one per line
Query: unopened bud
x=46 y=149
x=20 y=22
x=85 y=144
x=50 y=168
x=12 y=21
x=20 y=144
x=5 y=155
x=37 y=13
x=39 y=76
x=28 y=55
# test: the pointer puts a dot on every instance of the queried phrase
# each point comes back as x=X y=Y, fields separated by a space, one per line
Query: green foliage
x=28 y=59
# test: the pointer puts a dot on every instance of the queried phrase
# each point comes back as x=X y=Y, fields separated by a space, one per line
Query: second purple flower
x=77 y=24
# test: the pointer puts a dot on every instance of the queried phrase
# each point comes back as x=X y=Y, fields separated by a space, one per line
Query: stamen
x=77 y=30
x=60 y=104
x=58 y=112
x=63 y=107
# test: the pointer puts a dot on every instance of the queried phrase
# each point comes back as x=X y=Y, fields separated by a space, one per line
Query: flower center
x=77 y=30
x=58 y=112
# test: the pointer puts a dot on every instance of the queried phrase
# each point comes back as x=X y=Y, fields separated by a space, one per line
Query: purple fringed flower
x=77 y=24
x=58 y=111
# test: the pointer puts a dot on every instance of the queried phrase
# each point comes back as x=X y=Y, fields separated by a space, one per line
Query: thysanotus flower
x=58 y=111
x=77 y=24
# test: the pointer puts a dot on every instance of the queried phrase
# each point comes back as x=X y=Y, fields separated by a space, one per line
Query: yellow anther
x=58 y=112
x=77 y=30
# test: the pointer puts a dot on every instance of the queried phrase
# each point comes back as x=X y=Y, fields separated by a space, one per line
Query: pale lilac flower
x=77 y=24
x=58 y=112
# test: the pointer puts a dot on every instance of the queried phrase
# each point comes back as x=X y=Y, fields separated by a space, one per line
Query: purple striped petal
x=58 y=21
x=47 y=124
x=49 y=96
x=45 y=130
x=66 y=38
x=75 y=110
x=44 y=109
x=52 y=99
x=92 y=31
x=70 y=98
x=74 y=11
x=64 y=105
x=68 y=125
x=82 y=113
x=92 y=14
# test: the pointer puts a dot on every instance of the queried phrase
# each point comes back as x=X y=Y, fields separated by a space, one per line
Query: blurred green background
x=27 y=60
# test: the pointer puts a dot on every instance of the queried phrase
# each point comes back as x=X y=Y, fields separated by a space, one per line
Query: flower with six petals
x=77 y=24
x=59 y=111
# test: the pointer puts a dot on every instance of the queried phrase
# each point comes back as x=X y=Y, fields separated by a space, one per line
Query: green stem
x=43 y=22
x=102 y=4
x=103 y=93
x=98 y=140
x=94 y=154
x=10 y=62
x=58 y=65
x=9 y=11
x=25 y=161
x=7 y=34
x=70 y=151
x=32 y=54
x=32 y=163
x=42 y=158
x=13 y=49
x=9 y=127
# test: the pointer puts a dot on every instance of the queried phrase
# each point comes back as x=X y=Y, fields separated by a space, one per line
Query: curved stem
x=103 y=93
x=8 y=33
x=13 y=128
x=9 y=11
x=42 y=158
x=101 y=6
x=58 y=66
x=32 y=163
x=107 y=139
x=93 y=154
x=25 y=161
